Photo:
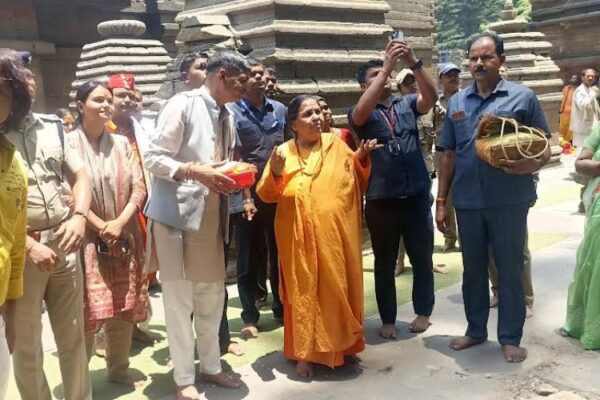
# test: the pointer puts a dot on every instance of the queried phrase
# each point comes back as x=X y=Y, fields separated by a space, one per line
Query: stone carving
x=121 y=28
x=124 y=52
x=572 y=26
x=315 y=45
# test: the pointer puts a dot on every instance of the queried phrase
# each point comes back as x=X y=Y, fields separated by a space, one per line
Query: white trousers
x=205 y=300
x=4 y=361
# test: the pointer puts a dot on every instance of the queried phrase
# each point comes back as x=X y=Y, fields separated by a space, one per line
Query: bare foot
x=494 y=302
x=187 y=393
x=140 y=336
x=514 y=354
x=250 y=331
x=464 y=342
x=305 y=369
x=223 y=379
x=449 y=245
x=528 y=311
x=419 y=324
x=440 y=269
x=400 y=268
x=235 y=349
x=352 y=359
x=388 y=331
x=127 y=379
x=261 y=303
x=100 y=346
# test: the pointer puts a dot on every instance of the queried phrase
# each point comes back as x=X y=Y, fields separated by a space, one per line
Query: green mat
x=153 y=361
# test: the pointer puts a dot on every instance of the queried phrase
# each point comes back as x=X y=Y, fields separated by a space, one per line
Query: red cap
x=121 y=81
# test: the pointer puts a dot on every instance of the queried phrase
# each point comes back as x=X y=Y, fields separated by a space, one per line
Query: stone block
x=198 y=19
x=211 y=32
x=317 y=71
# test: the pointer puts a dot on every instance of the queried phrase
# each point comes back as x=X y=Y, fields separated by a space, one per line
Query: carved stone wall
x=316 y=46
x=55 y=30
x=124 y=51
x=573 y=28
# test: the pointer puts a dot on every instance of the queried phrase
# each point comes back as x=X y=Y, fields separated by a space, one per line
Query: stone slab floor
x=414 y=366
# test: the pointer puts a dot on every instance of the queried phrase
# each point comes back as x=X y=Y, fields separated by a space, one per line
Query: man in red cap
x=127 y=106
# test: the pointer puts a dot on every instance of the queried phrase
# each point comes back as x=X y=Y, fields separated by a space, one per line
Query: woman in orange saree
x=317 y=183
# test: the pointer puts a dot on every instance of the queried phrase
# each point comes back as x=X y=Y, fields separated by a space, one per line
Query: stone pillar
x=124 y=52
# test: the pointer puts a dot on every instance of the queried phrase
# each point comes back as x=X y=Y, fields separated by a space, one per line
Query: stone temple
x=315 y=45
x=573 y=27
x=124 y=51
x=55 y=31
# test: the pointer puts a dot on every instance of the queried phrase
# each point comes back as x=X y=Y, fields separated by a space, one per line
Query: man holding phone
x=398 y=193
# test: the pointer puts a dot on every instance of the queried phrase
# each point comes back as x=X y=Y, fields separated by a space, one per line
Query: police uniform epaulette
x=48 y=117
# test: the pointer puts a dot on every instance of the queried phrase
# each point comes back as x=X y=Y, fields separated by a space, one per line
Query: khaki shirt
x=426 y=138
x=49 y=163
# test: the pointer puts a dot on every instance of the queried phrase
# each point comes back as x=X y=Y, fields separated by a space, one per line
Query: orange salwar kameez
x=318 y=231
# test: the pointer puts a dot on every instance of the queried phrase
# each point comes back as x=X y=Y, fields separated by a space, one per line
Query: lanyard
x=389 y=119
x=252 y=117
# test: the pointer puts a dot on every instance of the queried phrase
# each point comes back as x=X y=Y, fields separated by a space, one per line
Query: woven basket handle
x=521 y=149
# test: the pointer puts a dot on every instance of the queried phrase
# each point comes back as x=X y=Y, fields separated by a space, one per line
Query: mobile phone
x=102 y=247
x=397 y=35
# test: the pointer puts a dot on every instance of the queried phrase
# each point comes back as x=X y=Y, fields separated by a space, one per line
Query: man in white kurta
x=585 y=112
x=188 y=217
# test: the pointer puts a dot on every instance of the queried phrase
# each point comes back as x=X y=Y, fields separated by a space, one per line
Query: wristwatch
x=417 y=65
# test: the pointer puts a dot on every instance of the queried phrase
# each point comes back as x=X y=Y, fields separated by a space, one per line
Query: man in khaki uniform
x=52 y=271
x=449 y=83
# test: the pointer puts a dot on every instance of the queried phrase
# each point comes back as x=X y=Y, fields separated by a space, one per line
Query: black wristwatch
x=417 y=65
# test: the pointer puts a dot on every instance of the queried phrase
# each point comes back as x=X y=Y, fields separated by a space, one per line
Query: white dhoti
x=192 y=277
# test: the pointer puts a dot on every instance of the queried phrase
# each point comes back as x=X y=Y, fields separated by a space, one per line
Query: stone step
x=99 y=62
x=243 y=6
x=123 y=51
x=527 y=47
x=544 y=86
x=121 y=68
x=122 y=43
x=335 y=56
x=139 y=79
x=316 y=28
x=198 y=33
x=309 y=86
x=535 y=36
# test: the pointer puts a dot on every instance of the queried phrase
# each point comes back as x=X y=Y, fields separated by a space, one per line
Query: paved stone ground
x=422 y=366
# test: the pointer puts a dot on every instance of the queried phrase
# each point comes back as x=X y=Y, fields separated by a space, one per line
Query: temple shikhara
x=315 y=45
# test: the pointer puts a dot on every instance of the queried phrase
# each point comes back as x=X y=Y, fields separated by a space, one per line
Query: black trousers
x=258 y=236
x=388 y=220
x=234 y=229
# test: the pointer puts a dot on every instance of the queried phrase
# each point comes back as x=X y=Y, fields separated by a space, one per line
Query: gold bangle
x=440 y=200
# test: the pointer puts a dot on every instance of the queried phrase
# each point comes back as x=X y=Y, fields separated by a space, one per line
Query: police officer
x=56 y=225
x=491 y=203
x=449 y=80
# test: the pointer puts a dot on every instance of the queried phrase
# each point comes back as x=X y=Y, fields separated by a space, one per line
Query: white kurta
x=585 y=113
